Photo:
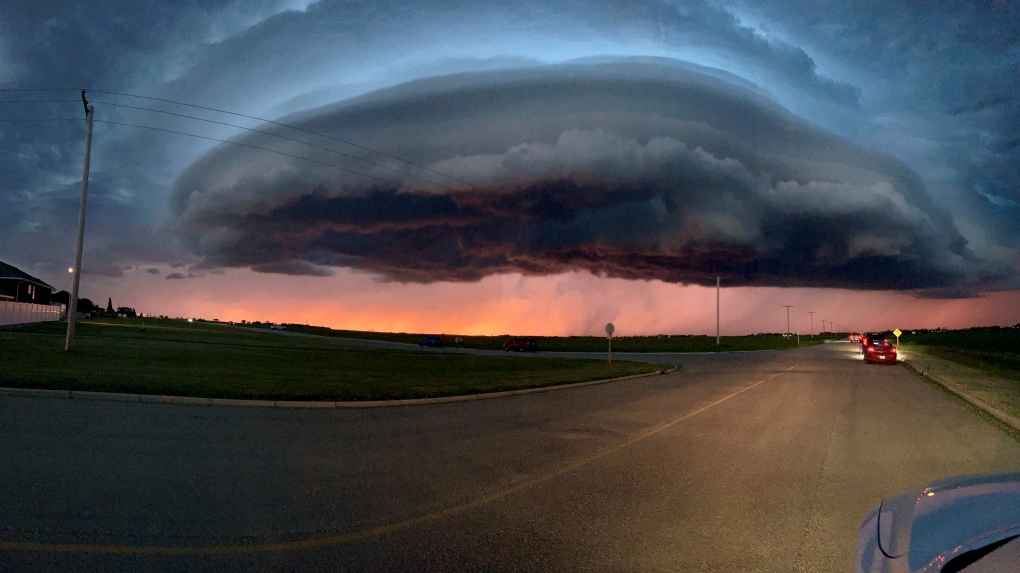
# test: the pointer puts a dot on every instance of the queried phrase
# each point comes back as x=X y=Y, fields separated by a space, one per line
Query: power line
x=40 y=101
x=278 y=136
x=352 y=171
x=269 y=121
x=252 y=147
x=287 y=126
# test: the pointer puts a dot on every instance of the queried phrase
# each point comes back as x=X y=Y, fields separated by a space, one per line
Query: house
x=18 y=286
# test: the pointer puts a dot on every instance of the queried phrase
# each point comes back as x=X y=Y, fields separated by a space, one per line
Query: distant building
x=61 y=296
x=18 y=286
x=126 y=312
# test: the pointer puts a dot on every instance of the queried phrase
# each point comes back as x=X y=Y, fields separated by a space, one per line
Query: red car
x=521 y=345
x=878 y=349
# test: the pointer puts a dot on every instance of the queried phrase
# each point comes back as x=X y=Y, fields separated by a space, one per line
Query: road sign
x=609 y=336
x=897 y=334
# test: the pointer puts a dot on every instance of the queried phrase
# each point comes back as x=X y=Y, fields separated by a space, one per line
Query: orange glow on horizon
x=567 y=304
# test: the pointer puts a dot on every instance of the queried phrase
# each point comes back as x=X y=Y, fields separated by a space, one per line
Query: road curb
x=292 y=404
x=992 y=411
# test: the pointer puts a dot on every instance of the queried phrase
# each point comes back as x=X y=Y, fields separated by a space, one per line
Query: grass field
x=994 y=350
x=585 y=343
x=174 y=357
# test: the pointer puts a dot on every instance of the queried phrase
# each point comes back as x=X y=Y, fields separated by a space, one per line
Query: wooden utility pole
x=73 y=303
x=717 y=311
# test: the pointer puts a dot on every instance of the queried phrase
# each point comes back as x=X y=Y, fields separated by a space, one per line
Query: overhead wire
x=352 y=171
x=250 y=146
x=41 y=101
x=269 y=133
x=268 y=121
x=344 y=141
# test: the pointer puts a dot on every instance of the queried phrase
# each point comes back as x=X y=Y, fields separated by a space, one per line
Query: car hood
x=934 y=524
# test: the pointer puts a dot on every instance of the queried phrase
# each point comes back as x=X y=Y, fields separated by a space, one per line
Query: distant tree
x=85 y=305
x=109 y=305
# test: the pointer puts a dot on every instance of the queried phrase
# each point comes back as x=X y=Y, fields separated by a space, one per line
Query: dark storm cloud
x=114 y=45
x=633 y=170
x=152 y=271
x=952 y=66
x=933 y=84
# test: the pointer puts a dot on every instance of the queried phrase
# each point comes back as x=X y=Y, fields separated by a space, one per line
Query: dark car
x=879 y=350
x=433 y=341
x=864 y=338
x=521 y=345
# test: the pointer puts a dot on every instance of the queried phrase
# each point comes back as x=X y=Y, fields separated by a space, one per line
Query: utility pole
x=787 y=307
x=76 y=279
x=812 y=313
x=717 y=311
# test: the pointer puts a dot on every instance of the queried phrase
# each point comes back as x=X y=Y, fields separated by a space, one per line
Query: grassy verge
x=980 y=413
x=584 y=343
x=178 y=358
x=992 y=350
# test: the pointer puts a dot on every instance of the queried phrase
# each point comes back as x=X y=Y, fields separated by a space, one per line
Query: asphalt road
x=759 y=461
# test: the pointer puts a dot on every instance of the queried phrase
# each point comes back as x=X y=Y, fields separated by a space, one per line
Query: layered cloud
x=635 y=169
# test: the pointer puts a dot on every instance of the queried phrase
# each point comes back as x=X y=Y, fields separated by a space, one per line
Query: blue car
x=433 y=341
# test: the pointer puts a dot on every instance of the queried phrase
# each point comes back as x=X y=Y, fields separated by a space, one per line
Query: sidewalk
x=997 y=396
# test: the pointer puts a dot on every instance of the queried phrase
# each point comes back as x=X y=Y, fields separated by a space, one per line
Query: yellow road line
x=339 y=539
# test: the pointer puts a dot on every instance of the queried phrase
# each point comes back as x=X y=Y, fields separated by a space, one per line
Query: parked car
x=958 y=524
x=277 y=327
x=521 y=345
x=879 y=350
x=864 y=338
x=432 y=341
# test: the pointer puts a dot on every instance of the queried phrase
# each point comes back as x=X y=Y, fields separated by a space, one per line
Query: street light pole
x=812 y=313
x=787 y=307
x=73 y=303
x=717 y=311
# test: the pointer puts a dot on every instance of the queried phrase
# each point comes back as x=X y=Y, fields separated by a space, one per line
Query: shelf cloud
x=632 y=169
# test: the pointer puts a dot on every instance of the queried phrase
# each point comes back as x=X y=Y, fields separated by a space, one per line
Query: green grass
x=583 y=343
x=174 y=357
x=985 y=416
x=993 y=350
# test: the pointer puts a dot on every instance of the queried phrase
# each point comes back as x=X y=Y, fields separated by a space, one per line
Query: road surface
x=760 y=461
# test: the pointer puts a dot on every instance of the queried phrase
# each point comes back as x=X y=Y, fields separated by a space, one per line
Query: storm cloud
x=933 y=85
x=634 y=169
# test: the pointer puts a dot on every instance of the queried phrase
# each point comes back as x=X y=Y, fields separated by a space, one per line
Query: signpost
x=897 y=334
x=609 y=335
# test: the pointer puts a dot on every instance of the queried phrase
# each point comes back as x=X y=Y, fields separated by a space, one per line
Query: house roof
x=11 y=272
